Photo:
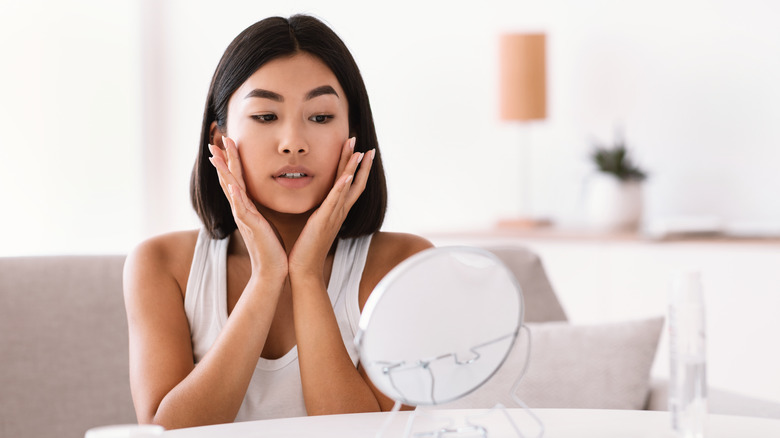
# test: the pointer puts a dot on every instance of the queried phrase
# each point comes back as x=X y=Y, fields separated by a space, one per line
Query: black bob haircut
x=258 y=44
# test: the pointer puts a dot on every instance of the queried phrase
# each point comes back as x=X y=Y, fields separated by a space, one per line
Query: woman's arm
x=331 y=382
x=167 y=387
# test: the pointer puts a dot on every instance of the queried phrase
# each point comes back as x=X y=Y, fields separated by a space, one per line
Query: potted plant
x=614 y=192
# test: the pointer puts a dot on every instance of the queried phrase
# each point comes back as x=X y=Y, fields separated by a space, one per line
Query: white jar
x=613 y=204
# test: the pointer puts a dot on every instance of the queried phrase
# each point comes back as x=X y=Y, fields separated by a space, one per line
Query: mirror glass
x=439 y=325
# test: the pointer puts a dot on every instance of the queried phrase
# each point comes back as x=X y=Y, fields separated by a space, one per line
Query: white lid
x=125 y=431
x=686 y=287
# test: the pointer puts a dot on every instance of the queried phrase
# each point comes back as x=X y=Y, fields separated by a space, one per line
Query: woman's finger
x=248 y=204
x=221 y=180
x=222 y=172
x=358 y=184
x=242 y=207
x=341 y=186
x=347 y=151
x=234 y=160
x=337 y=197
x=235 y=203
x=225 y=177
x=361 y=178
x=331 y=213
x=352 y=164
x=216 y=151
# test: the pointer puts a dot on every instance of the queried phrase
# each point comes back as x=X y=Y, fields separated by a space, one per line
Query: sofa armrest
x=720 y=401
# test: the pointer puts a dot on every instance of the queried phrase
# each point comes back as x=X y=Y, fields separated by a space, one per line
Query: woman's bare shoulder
x=386 y=251
x=393 y=248
x=163 y=257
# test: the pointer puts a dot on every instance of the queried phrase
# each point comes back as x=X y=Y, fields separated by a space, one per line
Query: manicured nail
x=211 y=148
x=348 y=180
x=360 y=157
x=373 y=153
x=224 y=142
x=352 y=142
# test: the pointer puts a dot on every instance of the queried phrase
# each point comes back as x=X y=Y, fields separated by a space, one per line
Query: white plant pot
x=612 y=204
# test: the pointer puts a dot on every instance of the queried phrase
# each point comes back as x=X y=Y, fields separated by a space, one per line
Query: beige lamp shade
x=523 y=76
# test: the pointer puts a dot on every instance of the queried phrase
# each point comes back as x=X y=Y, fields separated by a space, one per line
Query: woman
x=253 y=316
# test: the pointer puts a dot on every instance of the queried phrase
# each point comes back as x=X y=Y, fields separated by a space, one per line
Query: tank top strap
x=344 y=286
x=205 y=299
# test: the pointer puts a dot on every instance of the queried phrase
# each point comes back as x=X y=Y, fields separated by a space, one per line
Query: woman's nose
x=286 y=148
x=292 y=141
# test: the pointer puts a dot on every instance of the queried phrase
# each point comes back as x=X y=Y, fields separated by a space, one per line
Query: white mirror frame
x=439 y=325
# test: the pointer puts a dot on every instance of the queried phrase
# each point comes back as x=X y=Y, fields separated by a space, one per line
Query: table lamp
x=523 y=99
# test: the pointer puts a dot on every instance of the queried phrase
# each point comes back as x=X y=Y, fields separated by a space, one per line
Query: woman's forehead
x=292 y=77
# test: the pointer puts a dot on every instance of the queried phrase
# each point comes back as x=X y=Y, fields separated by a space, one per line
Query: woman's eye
x=321 y=118
x=264 y=118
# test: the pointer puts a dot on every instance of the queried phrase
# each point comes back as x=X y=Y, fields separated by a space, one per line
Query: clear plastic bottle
x=688 y=371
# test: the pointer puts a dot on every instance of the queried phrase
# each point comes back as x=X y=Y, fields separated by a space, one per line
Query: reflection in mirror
x=439 y=325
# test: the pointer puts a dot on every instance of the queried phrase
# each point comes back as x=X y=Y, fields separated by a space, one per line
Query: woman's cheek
x=253 y=189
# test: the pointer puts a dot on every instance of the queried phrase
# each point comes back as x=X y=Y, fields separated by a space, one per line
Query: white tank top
x=275 y=390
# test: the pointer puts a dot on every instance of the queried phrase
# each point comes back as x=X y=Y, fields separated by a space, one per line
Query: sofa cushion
x=575 y=366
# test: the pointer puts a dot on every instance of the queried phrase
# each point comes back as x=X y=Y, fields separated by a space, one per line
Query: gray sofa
x=63 y=334
x=63 y=337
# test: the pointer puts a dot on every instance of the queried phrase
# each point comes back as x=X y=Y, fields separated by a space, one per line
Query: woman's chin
x=288 y=209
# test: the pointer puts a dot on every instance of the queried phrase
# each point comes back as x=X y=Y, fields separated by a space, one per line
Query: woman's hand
x=311 y=249
x=268 y=257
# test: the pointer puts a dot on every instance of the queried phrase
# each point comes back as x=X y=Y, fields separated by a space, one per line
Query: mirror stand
x=439 y=424
x=424 y=424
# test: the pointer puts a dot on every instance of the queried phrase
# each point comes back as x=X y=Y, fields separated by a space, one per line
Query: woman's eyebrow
x=320 y=91
x=265 y=94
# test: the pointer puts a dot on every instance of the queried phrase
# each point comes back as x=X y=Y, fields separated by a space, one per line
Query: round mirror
x=439 y=325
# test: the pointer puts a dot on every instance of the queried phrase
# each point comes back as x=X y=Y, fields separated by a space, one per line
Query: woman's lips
x=293 y=177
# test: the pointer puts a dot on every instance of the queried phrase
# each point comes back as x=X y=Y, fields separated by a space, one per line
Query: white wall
x=693 y=82
x=70 y=171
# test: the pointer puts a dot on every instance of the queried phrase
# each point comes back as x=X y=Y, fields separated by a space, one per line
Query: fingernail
x=224 y=142
x=348 y=180
x=373 y=153
x=231 y=189
x=352 y=143
x=211 y=148
x=360 y=158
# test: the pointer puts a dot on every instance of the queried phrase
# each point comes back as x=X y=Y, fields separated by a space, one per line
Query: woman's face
x=290 y=122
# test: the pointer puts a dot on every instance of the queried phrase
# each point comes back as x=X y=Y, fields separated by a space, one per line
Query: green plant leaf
x=615 y=160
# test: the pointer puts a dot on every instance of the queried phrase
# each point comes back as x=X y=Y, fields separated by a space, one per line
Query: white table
x=558 y=423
